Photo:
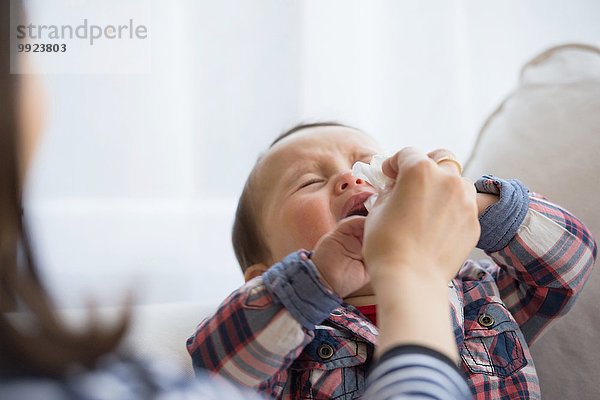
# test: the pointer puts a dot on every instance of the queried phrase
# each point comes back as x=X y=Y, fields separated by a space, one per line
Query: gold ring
x=452 y=160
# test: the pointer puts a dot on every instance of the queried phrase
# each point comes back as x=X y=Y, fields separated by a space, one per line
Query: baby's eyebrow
x=296 y=170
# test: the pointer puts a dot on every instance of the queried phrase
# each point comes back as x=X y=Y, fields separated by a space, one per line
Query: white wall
x=137 y=177
x=395 y=69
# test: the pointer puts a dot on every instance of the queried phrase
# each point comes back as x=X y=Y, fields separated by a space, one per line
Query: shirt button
x=485 y=320
x=325 y=351
x=336 y=313
x=480 y=275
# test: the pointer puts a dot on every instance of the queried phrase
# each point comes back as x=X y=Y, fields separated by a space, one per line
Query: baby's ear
x=254 y=270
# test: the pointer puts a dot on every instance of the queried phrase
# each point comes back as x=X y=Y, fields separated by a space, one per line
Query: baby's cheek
x=309 y=223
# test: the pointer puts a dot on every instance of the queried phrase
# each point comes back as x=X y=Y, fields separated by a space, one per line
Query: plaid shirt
x=286 y=336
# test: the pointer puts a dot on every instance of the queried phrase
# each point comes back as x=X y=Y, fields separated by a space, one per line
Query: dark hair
x=247 y=237
x=44 y=346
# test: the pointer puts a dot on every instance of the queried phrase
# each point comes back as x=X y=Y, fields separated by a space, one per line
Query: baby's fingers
x=352 y=226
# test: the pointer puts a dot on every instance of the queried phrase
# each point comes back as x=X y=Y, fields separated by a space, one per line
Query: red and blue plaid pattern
x=498 y=310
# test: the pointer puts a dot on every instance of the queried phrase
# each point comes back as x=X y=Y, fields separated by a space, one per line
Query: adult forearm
x=413 y=308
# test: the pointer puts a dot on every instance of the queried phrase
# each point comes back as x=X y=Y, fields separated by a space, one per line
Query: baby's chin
x=364 y=296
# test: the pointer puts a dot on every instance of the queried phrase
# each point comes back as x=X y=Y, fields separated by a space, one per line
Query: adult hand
x=338 y=257
x=484 y=200
x=428 y=220
x=446 y=160
x=416 y=238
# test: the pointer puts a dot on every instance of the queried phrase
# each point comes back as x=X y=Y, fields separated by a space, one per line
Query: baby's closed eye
x=309 y=182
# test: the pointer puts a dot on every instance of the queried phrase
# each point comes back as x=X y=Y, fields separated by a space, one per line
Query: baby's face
x=305 y=186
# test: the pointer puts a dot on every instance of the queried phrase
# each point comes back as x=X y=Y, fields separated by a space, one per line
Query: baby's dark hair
x=247 y=238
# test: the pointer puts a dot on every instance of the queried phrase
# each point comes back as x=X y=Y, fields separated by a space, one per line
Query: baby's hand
x=338 y=257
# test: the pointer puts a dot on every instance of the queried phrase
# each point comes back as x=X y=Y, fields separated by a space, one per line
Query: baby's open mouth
x=360 y=209
x=355 y=205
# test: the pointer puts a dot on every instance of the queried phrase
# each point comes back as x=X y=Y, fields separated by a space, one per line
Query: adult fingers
x=446 y=160
x=401 y=160
x=439 y=153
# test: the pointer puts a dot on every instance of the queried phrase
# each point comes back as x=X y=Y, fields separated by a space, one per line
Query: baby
x=304 y=324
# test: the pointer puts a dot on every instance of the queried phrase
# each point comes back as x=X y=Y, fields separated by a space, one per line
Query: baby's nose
x=347 y=180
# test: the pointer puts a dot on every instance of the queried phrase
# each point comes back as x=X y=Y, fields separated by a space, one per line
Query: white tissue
x=373 y=174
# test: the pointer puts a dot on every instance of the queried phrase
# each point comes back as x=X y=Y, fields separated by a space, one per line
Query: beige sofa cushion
x=547 y=134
